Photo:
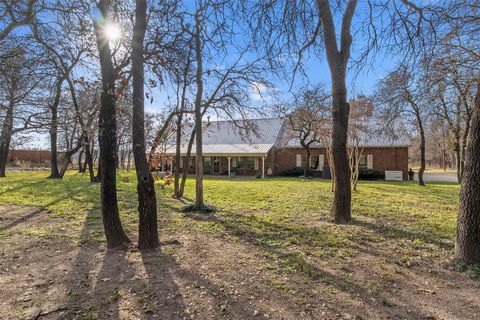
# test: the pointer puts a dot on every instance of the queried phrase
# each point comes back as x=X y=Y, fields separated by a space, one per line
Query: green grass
x=273 y=213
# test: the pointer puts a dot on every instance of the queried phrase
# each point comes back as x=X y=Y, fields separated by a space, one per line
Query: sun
x=113 y=32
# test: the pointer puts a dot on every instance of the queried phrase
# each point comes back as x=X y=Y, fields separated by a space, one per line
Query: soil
x=199 y=275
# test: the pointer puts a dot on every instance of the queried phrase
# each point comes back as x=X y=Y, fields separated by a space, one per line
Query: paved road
x=438 y=177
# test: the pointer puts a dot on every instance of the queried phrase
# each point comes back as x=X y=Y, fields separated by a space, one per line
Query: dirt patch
x=220 y=274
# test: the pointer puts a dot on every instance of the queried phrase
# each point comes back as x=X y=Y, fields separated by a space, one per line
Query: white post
x=263 y=167
x=229 y=165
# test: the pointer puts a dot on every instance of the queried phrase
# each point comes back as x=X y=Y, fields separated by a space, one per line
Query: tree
x=147 y=203
x=17 y=13
x=19 y=80
x=401 y=97
x=307 y=121
x=359 y=127
x=289 y=29
x=108 y=135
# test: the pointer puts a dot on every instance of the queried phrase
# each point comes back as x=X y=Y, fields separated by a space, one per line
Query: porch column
x=263 y=167
x=229 y=157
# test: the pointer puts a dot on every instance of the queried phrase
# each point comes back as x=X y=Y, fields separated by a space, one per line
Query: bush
x=370 y=174
x=258 y=175
x=192 y=208
x=294 y=172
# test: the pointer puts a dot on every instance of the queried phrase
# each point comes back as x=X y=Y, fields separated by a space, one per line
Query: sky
x=316 y=72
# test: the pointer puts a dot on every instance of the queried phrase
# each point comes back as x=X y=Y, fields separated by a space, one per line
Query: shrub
x=293 y=172
x=192 y=208
x=370 y=174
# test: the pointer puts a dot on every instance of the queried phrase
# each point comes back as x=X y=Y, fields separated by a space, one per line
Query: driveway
x=438 y=177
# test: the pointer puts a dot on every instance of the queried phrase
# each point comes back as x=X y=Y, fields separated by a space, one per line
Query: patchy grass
x=269 y=248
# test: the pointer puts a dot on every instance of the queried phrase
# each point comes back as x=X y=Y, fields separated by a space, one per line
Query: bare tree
x=108 y=127
x=14 y=14
x=19 y=80
x=147 y=203
x=359 y=127
x=401 y=97
x=307 y=118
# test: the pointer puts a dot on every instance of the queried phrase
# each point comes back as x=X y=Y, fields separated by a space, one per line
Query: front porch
x=223 y=165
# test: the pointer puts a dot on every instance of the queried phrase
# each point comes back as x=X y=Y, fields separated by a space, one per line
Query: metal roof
x=258 y=136
x=252 y=137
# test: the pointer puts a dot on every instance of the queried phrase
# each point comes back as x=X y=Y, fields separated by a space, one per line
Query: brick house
x=231 y=150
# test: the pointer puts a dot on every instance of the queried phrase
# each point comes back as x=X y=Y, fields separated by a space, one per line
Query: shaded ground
x=277 y=258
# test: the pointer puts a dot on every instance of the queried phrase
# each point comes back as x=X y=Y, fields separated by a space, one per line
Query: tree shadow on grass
x=263 y=238
x=394 y=232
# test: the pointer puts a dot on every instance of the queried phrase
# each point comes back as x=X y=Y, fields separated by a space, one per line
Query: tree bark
x=341 y=207
x=176 y=183
x=337 y=61
x=54 y=174
x=467 y=247
x=185 y=165
x=5 y=139
x=81 y=168
x=67 y=157
x=112 y=224
x=199 y=201
x=422 y=151
x=147 y=203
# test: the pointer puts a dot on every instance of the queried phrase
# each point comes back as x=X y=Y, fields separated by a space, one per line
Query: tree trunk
x=108 y=138
x=5 y=139
x=342 y=190
x=147 y=202
x=458 y=162
x=54 y=131
x=178 y=145
x=199 y=202
x=89 y=161
x=67 y=157
x=467 y=247
x=422 y=151
x=463 y=145
x=81 y=168
x=185 y=165
x=306 y=169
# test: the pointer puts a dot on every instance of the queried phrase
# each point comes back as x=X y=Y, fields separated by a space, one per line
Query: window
x=299 y=160
x=207 y=163
x=240 y=162
x=250 y=163
x=362 y=164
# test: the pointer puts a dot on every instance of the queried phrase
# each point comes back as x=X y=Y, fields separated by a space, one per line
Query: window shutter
x=299 y=160
x=370 y=161
x=181 y=162
x=321 y=162
x=256 y=163
x=234 y=162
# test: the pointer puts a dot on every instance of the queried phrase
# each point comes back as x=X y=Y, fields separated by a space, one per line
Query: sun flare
x=113 y=32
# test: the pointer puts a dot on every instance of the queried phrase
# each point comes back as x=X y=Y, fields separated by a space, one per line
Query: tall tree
x=147 y=203
x=402 y=97
x=114 y=232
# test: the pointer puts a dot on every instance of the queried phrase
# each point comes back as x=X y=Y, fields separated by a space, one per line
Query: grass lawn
x=270 y=251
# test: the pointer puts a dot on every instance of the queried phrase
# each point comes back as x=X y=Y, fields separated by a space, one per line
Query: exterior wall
x=286 y=159
x=279 y=161
x=33 y=156
x=393 y=158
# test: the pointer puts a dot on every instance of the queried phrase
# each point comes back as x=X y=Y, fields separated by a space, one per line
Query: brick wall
x=395 y=159
x=33 y=156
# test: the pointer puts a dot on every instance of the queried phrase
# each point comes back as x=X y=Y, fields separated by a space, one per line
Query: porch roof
x=225 y=149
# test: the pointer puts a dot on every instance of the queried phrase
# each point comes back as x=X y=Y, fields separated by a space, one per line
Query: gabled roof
x=253 y=137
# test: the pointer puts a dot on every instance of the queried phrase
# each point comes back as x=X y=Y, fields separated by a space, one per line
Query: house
x=259 y=147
